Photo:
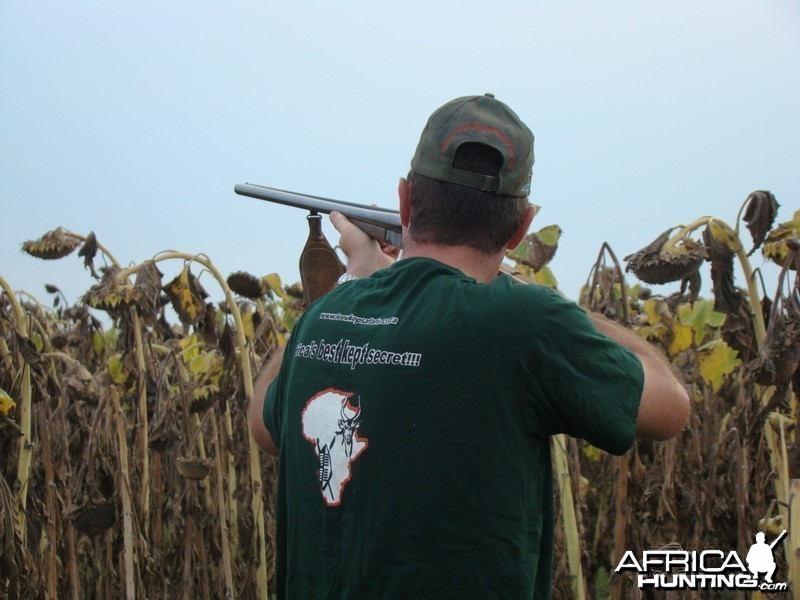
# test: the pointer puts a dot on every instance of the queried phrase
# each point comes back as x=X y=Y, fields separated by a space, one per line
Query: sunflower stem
x=227 y=570
x=569 y=517
x=24 y=410
x=752 y=292
x=684 y=231
x=100 y=247
x=129 y=552
x=247 y=383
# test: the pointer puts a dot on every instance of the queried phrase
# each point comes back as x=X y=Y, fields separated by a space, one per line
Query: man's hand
x=364 y=255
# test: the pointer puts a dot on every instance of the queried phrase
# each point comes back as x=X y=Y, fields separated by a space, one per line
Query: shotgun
x=382 y=224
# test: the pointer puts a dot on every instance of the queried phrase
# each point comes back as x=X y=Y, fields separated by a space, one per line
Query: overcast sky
x=135 y=119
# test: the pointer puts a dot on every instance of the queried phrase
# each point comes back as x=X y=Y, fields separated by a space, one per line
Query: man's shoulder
x=504 y=285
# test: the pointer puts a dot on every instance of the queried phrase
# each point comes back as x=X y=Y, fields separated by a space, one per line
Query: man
x=414 y=406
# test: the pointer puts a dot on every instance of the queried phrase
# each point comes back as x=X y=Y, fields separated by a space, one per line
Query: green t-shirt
x=413 y=412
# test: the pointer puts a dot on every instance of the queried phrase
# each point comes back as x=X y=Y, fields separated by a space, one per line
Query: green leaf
x=98 y=343
x=700 y=316
x=681 y=339
x=116 y=369
x=716 y=361
x=201 y=364
x=276 y=285
x=775 y=247
x=6 y=403
x=722 y=233
x=248 y=326
x=537 y=249
x=592 y=453
x=289 y=319
x=656 y=310
x=545 y=276
x=602 y=584
x=111 y=337
x=549 y=235
x=189 y=347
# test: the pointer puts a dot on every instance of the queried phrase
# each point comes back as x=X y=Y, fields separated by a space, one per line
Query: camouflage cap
x=484 y=120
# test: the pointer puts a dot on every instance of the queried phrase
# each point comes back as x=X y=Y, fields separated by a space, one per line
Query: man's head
x=470 y=176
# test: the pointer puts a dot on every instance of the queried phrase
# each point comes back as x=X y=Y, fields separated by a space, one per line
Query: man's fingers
x=340 y=222
x=390 y=250
x=351 y=237
x=363 y=253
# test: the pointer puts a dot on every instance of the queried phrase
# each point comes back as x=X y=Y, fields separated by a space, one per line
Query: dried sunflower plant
x=126 y=461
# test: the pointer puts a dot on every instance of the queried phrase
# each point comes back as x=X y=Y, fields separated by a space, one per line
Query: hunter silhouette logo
x=330 y=422
x=759 y=557
x=707 y=569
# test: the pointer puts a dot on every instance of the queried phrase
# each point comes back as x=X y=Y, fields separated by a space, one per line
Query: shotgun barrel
x=781 y=535
x=382 y=224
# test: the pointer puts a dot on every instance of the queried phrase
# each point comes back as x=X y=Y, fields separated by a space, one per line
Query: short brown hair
x=455 y=215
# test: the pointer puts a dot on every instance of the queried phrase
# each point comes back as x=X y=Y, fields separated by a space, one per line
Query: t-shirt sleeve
x=273 y=403
x=591 y=385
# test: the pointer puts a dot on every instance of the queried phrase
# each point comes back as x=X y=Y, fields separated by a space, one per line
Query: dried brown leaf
x=762 y=208
x=88 y=251
x=9 y=427
x=148 y=282
x=207 y=325
x=738 y=332
x=227 y=346
x=165 y=432
x=27 y=349
x=727 y=297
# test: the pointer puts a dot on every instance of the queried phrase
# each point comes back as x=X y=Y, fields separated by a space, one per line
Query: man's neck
x=473 y=263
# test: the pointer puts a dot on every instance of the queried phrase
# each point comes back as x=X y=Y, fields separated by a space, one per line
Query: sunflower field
x=127 y=469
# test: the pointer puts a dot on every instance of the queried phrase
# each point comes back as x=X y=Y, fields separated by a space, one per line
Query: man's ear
x=404 y=193
x=519 y=234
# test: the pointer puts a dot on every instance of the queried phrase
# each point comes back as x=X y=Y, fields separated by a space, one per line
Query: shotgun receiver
x=382 y=224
